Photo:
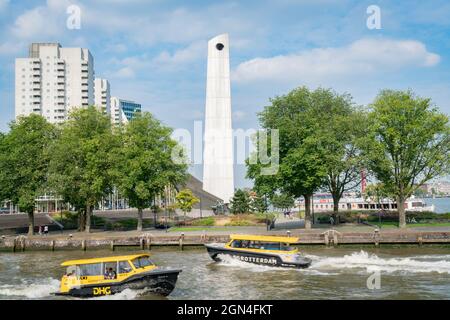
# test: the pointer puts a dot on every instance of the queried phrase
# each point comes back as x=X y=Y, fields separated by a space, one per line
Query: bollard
x=181 y=241
x=141 y=243
x=288 y=233
x=14 y=245
x=420 y=240
x=326 y=239
x=376 y=237
x=149 y=243
x=53 y=245
x=112 y=245
x=83 y=245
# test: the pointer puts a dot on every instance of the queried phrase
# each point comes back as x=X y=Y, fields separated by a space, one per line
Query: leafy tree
x=283 y=201
x=302 y=169
x=185 y=201
x=339 y=128
x=408 y=144
x=240 y=203
x=82 y=161
x=24 y=160
x=145 y=165
x=259 y=203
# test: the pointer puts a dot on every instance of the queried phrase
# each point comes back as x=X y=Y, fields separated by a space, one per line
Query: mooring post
x=112 y=245
x=376 y=237
x=181 y=241
x=326 y=239
x=420 y=240
x=149 y=242
x=53 y=245
x=288 y=233
x=141 y=243
x=83 y=245
x=14 y=245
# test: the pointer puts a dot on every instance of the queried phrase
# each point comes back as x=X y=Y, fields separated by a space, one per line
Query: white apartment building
x=53 y=80
x=102 y=94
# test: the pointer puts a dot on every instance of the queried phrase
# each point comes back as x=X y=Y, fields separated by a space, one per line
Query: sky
x=154 y=51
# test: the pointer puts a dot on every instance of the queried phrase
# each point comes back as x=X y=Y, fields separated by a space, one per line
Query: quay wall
x=146 y=241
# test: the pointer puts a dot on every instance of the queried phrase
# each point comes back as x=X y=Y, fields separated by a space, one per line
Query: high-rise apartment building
x=102 y=94
x=53 y=80
x=123 y=110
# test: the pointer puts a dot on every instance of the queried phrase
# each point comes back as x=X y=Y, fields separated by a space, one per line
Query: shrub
x=209 y=221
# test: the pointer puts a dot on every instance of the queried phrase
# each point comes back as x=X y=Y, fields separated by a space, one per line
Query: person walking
x=45 y=230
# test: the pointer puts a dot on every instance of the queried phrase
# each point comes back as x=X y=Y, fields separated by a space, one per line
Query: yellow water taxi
x=264 y=250
x=110 y=275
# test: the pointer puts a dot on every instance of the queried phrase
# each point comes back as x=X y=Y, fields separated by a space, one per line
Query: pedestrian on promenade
x=46 y=230
x=331 y=220
x=40 y=230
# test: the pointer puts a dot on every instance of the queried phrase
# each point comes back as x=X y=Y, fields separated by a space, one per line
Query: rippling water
x=335 y=273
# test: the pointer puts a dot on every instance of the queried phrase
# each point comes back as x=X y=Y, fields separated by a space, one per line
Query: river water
x=335 y=273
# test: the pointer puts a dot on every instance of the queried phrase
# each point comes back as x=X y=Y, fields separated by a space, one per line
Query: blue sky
x=154 y=51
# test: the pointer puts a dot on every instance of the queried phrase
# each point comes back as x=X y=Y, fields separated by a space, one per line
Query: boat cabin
x=103 y=270
x=262 y=243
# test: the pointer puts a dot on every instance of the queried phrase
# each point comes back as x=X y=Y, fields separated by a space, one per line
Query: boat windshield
x=142 y=262
x=261 y=245
x=71 y=271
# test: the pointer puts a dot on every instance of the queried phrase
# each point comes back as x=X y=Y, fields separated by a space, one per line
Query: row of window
x=99 y=269
x=261 y=245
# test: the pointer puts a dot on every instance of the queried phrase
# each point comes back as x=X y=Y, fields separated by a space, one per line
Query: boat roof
x=264 y=238
x=104 y=259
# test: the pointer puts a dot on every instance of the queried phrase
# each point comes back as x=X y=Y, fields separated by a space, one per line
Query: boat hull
x=259 y=258
x=157 y=281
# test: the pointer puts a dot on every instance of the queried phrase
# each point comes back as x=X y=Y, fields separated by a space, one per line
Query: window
x=92 y=269
x=142 y=262
x=236 y=244
x=70 y=271
x=124 y=267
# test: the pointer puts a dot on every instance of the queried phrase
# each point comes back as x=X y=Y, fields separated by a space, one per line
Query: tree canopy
x=144 y=162
x=408 y=144
x=24 y=161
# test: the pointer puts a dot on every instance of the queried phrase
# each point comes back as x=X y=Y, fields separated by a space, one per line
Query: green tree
x=339 y=127
x=185 y=201
x=83 y=161
x=259 y=203
x=240 y=203
x=408 y=144
x=144 y=162
x=282 y=201
x=302 y=169
x=24 y=160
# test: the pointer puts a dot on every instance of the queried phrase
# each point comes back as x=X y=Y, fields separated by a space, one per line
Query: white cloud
x=42 y=21
x=190 y=53
x=125 y=72
x=365 y=56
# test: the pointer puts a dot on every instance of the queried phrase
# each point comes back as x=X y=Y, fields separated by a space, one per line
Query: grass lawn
x=386 y=225
x=187 y=229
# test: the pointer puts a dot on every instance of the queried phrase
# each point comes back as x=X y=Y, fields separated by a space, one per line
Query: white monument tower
x=218 y=154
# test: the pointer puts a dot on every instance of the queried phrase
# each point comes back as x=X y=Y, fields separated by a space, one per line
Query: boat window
x=286 y=247
x=270 y=246
x=92 y=269
x=236 y=244
x=124 y=267
x=255 y=245
x=110 y=270
x=245 y=244
x=71 y=271
x=142 y=262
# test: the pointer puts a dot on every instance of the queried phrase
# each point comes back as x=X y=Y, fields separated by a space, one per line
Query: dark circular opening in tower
x=220 y=46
